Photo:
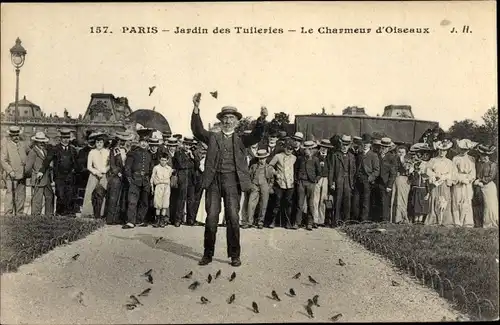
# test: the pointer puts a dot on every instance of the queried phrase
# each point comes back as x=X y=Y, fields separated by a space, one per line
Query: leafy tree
x=490 y=119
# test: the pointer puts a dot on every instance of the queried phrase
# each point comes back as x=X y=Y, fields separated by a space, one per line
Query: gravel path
x=112 y=261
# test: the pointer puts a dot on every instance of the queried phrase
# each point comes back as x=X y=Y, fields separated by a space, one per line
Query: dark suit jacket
x=313 y=168
x=139 y=166
x=369 y=164
x=34 y=162
x=240 y=145
x=388 y=170
x=182 y=160
x=54 y=154
x=338 y=169
x=116 y=163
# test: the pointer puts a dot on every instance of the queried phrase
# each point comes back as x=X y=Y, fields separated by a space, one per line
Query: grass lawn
x=26 y=237
x=465 y=256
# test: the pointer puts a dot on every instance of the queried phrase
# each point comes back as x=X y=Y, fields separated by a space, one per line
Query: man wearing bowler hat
x=367 y=171
x=41 y=187
x=226 y=175
x=13 y=160
x=386 y=179
x=65 y=161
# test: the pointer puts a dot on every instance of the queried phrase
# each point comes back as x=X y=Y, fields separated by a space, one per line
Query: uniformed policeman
x=138 y=168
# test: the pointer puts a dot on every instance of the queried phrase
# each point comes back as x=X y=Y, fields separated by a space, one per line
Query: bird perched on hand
x=151 y=89
x=214 y=94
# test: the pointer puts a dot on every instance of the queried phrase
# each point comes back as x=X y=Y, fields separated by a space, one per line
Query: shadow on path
x=168 y=245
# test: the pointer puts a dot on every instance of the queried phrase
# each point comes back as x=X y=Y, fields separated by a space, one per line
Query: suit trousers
x=65 y=194
x=320 y=196
x=181 y=195
x=115 y=196
x=225 y=186
x=305 y=193
x=193 y=192
x=138 y=201
x=258 y=195
x=282 y=203
x=195 y=200
x=38 y=193
x=384 y=209
x=343 y=195
x=19 y=188
x=361 y=198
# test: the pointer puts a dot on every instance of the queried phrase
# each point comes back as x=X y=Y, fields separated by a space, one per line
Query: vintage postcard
x=249 y=162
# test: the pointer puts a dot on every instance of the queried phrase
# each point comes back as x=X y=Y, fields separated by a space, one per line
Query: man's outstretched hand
x=196 y=103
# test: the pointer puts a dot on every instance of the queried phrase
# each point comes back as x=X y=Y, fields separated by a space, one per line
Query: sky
x=444 y=76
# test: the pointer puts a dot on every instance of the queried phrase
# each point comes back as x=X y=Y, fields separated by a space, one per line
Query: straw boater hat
x=386 y=142
x=309 y=145
x=420 y=147
x=466 y=144
x=40 y=137
x=125 y=136
x=376 y=142
x=345 y=139
x=444 y=145
x=262 y=153
x=298 y=136
x=485 y=150
x=229 y=110
x=178 y=136
x=167 y=134
x=356 y=139
x=247 y=132
x=14 y=130
x=172 y=142
x=65 y=133
x=98 y=136
x=188 y=141
x=154 y=142
x=325 y=143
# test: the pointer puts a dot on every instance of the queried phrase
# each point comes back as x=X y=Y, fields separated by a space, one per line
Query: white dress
x=161 y=180
x=98 y=162
x=462 y=192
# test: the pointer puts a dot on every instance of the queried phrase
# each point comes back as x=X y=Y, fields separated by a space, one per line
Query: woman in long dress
x=462 y=192
x=98 y=166
x=441 y=172
x=486 y=173
x=401 y=189
x=418 y=198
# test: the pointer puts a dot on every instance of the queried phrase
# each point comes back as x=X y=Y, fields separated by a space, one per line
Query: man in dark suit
x=65 y=158
x=225 y=176
x=138 y=169
x=367 y=171
x=385 y=181
x=341 y=180
x=307 y=175
x=183 y=164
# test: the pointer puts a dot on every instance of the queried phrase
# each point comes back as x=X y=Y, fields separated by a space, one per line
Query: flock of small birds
x=214 y=94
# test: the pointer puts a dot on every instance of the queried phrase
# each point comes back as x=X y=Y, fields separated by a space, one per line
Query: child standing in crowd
x=160 y=186
x=418 y=201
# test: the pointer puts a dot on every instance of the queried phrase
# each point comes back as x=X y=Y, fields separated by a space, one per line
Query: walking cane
x=14 y=205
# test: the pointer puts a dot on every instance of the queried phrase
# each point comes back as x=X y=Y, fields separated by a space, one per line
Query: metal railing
x=426 y=275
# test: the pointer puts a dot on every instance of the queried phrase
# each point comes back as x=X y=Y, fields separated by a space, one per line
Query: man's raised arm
x=197 y=128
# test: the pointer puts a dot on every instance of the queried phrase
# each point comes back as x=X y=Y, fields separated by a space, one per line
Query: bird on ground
x=255 y=307
x=233 y=276
x=296 y=276
x=194 y=285
x=135 y=300
x=341 y=263
x=315 y=300
x=309 y=311
x=292 y=292
x=214 y=94
x=209 y=279
x=159 y=238
x=218 y=274
x=275 y=295
x=79 y=298
x=151 y=89
x=188 y=276
x=231 y=299
x=130 y=306
x=310 y=303
x=335 y=317
x=204 y=300
x=148 y=272
x=394 y=283
x=145 y=292
x=75 y=257
x=312 y=280
x=150 y=279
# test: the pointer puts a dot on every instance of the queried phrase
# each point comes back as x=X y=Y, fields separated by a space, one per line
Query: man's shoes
x=271 y=226
x=205 y=260
x=315 y=226
x=235 y=261
x=128 y=225
x=177 y=224
x=245 y=227
x=309 y=227
x=294 y=227
x=260 y=226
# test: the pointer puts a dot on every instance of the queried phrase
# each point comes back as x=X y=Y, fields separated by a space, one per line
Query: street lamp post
x=18 y=55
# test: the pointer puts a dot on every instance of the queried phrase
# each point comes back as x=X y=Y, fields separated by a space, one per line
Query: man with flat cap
x=225 y=176
x=13 y=159
x=138 y=169
x=65 y=161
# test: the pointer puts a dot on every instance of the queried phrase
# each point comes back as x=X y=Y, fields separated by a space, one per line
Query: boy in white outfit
x=160 y=185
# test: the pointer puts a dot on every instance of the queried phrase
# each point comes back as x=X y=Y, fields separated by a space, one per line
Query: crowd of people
x=158 y=180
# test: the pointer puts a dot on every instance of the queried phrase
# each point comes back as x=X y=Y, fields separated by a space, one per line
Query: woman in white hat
x=485 y=181
x=462 y=192
x=441 y=172
x=98 y=166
